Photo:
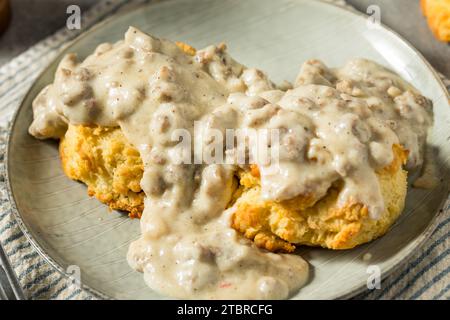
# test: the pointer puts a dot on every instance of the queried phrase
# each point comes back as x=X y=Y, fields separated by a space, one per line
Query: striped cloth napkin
x=425 y=276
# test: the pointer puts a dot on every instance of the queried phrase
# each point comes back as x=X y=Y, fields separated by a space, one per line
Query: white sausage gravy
x=334 y=124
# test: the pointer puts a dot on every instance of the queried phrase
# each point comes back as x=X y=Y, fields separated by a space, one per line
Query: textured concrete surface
x=35 y=19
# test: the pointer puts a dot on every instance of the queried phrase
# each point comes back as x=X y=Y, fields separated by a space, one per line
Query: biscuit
x=111 y=168
x=278 y=226
x=103 y=159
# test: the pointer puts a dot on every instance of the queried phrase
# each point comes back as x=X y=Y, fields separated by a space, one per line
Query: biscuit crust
x=107 y=163
x=112 y=169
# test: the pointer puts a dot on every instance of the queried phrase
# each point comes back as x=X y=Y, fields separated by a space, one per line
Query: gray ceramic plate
x=69 y=228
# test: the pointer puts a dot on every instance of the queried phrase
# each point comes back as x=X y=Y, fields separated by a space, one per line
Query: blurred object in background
x=438 y=16
x=4 y=15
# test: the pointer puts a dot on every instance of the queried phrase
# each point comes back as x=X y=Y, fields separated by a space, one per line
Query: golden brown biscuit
x=186 y=48
x=438 y=16
x=111 y=168
x=276 y=226
x=103 y=159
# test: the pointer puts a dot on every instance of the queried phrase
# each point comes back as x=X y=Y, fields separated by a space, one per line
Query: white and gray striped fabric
x=425 y=276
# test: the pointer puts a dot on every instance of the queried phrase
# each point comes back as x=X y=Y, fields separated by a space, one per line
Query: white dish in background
x=69 y=228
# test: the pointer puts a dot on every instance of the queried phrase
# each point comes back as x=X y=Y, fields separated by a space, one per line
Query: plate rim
x=352 y=292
